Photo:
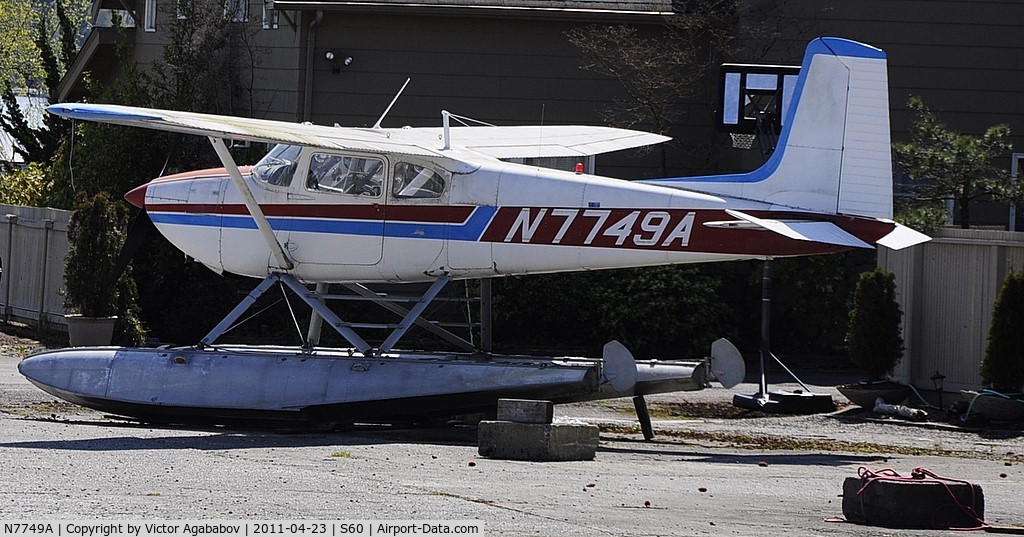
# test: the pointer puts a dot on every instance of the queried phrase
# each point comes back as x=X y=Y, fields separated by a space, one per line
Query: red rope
x=921 y=475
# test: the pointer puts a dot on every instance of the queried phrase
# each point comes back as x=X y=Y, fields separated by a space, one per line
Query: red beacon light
x=579 y=168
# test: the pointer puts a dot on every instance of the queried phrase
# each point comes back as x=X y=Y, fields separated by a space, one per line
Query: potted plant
x=1002 y=369
x=95 y=235
x=874 y=340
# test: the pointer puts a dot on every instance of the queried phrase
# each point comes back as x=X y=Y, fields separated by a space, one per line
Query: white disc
x=727 y=363
x=619 y=366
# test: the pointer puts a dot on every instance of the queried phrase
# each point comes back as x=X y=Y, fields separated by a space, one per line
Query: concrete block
x=926 y=504
x=525 y=411
x=537 y=442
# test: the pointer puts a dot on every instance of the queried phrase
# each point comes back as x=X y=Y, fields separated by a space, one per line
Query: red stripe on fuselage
x=679 y=230
x=372 y=211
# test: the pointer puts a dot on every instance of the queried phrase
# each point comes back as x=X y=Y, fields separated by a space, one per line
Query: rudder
x=834 y=155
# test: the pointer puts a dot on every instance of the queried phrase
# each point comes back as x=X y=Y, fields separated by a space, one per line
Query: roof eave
x=489 y=10
x=99 y=38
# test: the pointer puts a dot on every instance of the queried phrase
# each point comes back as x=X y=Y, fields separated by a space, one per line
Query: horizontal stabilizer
x=903 y=237
x=801 y=230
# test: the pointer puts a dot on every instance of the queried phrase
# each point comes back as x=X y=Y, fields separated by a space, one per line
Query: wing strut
x=250 y=203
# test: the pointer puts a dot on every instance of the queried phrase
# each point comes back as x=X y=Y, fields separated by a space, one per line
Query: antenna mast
x=388 y=109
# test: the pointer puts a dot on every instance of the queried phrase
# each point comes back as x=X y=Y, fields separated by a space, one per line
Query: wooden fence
x=33 y=243
x=946 y=290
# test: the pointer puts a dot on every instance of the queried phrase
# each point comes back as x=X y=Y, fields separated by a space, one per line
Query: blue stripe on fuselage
x=471 y=230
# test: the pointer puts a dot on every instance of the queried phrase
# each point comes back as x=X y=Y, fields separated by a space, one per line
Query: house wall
x=504 y=71
x=962 y=57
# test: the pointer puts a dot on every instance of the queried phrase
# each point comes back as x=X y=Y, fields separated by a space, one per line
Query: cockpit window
x=278 y=166
x=340 y=174
x=416 y=181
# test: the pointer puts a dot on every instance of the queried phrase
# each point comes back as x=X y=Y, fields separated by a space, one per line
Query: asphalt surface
x=710 y=476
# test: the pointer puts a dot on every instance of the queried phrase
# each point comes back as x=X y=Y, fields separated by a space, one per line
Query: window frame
x=240 y=13
x=444 y=175
x=149 y=17
x=333 y=190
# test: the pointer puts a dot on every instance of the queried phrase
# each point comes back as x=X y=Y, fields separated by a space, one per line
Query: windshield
x=278 y=166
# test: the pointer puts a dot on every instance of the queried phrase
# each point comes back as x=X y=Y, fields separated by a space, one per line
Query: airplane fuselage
x=497 y=219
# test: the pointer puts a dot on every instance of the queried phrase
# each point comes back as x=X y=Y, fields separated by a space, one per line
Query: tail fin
x=834 y=155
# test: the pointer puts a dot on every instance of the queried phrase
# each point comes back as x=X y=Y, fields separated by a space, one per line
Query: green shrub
x=874 y=337
x=1003 y=365
x=92 y=288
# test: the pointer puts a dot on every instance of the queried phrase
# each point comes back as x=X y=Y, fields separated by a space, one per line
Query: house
x=342 y=62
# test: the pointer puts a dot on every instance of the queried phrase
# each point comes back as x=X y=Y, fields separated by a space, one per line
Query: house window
x=149 y=23
x=271 y=17
x=236 y=10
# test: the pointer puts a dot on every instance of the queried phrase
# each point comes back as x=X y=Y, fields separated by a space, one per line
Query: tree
x=36 y=46
x=203 y=69
x=660 y=70
x=943 y=164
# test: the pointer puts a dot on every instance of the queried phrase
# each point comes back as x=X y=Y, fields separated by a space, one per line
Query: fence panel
x=946 y=289
x=33 y=243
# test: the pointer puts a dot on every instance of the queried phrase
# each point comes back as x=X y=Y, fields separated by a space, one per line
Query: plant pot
x=90 y=331
x=865 y=394
x=994 y=407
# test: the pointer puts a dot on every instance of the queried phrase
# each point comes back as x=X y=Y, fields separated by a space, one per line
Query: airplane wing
x=547 y=141
x=497 y=142
x=246 y=129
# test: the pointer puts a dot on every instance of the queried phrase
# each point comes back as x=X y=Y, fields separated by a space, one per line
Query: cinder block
x=537 y=442
x=913 y=503
x=525 y=411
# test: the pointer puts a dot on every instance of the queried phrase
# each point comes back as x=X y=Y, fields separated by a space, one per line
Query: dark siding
x=963 y=57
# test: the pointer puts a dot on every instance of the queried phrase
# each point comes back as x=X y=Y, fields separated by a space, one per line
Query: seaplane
x=358 y=206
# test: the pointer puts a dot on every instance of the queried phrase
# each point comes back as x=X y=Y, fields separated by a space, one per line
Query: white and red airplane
x=354 y=205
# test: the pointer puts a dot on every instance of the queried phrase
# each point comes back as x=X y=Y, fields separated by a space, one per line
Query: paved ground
x=700 y=476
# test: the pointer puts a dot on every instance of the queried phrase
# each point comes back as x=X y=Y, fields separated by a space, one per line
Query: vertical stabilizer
x=834 y=155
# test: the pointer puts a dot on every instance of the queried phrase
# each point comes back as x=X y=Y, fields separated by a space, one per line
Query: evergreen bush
x=874 y=338
x=92 y=286
x=1003 y=365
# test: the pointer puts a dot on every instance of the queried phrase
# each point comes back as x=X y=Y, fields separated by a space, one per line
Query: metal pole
x=1014 y=170
x=12 y=219
x=485 y=315
x=47 y=226
x=766 y=323
x=315 y=320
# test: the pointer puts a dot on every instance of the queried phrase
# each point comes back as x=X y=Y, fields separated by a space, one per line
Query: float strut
x=241 y=308
x=644 y=416
x=414 y=313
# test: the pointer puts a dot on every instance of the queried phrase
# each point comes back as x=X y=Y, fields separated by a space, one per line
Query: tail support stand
x=780 y=401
